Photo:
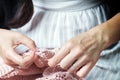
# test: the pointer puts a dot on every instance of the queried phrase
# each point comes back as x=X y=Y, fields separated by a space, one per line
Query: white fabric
x=66 y=5
x=56 y=21
x=52 y=28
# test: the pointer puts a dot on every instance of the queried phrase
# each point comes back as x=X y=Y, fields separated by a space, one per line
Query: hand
x=9 y=40
x=81 y=53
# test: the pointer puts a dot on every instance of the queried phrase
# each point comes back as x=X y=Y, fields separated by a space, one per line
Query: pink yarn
x=38 y=71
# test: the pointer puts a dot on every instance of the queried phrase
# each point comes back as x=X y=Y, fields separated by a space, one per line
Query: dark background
x=114 y=6
x=8 y=9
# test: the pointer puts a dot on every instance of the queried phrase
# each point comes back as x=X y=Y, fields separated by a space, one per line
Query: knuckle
x=19 y=35
x=79 y=50
x=69 y=45
x=31 y=42
x=87 y=58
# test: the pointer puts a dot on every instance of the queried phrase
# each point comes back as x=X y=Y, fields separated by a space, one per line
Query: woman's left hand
x=81 y=53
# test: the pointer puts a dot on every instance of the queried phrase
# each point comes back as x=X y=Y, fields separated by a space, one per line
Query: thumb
x=19 y=60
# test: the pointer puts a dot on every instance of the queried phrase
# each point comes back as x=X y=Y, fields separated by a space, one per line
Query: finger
x=28 y=59
x=28 y=42
x=20 y=60
x=71 y=58
x=78 y=64
x=59 y=56
x=13 y=56
x=38 y=62
x=10 y=63
x=85 y=69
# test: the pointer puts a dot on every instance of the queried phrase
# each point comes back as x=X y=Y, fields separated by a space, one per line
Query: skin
x=80 y=53
x=9 y=40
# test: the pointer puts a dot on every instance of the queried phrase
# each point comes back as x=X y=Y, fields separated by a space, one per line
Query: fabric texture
x=56 y=21
x=35 y=72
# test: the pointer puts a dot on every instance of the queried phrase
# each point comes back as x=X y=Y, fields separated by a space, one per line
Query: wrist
x=112 y=29
x=106 y=34
x=99 y=32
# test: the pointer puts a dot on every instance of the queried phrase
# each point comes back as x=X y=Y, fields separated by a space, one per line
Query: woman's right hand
x=9 y=40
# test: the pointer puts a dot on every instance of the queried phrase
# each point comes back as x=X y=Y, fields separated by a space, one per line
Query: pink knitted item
x=57 y=74
x=38 y=71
